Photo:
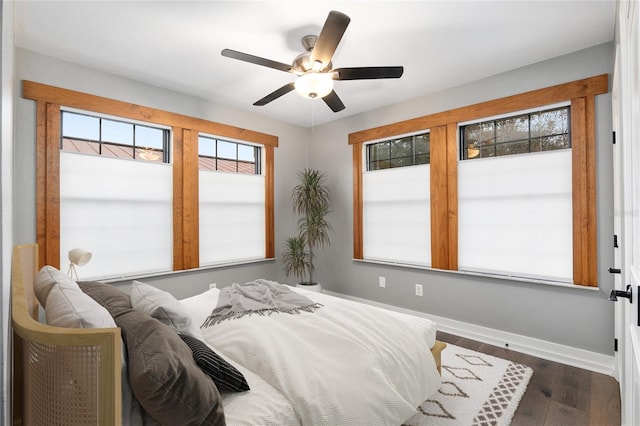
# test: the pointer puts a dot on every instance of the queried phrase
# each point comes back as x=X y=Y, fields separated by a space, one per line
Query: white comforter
x=345 y=364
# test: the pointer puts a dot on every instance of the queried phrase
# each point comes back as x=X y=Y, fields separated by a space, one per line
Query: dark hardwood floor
x=558 y=394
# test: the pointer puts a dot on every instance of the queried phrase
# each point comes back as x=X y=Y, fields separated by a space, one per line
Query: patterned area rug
x=477 y=389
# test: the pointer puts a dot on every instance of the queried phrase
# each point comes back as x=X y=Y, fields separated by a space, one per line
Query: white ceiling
x=441 y=44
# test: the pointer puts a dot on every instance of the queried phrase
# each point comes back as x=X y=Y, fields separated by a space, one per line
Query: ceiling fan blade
x=275 y=95
x=329 y=38
x=256 y=60
x=366 y=73
x=333 y=101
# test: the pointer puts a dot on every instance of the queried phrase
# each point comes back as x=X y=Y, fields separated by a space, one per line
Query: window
x=401 y=152
x=495 y=199
x=518 y=134
x=89 y=134
x=227 y=156
x=232 y=220
x=396 y=200
x=130 y=193
x=515 y=211
x=121 y=210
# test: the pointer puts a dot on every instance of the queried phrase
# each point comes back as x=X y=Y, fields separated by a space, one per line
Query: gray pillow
x=164 y=377
x=114 y=300
x=105 y=295
x=164 y=307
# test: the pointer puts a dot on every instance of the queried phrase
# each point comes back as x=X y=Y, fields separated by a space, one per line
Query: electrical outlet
x=418 y=289
x=212 y=285
x=382 y=282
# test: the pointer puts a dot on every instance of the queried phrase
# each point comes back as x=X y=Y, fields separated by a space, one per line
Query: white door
x=626 y=110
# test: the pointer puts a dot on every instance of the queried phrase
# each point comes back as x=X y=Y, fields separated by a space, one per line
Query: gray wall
x=569 y=316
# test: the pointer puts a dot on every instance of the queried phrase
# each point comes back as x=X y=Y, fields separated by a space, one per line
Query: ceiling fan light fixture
x=314 y=67
x=314 y=85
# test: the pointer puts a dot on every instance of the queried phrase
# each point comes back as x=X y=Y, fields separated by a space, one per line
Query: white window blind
x=119 y=210
x=232 y=217
x=515 y=215
x=396 y=215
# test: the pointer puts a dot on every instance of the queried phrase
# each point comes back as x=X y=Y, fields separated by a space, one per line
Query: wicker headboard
x=62 y=376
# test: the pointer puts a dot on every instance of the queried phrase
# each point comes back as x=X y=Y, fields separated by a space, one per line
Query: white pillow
x=66 y=305
x=201 y=305
x=163 y=307
x=46 y=279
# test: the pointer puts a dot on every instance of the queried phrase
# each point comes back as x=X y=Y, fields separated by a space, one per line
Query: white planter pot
x=311 y=287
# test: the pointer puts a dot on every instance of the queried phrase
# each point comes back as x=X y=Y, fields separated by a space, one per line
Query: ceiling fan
x=314 y=68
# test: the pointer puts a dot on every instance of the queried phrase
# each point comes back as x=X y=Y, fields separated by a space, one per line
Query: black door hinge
x=615 y=241
x=615 y=345
x=614 y=138
x=615 y=270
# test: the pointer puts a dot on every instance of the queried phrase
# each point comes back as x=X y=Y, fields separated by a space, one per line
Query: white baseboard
x=576 y=357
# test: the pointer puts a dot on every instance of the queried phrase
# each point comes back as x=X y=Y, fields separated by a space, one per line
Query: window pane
x=247 y=159
x=231 y=156
x=380 y=151
x=536 y=145
x=92 y=135
x=401 y=152
x=82 y=146
x=477 y=135
x=488 y=151
x=552 y=122
x=512 y=129
x=206 y=146
x=379 y=165
x=80 y=126
x=148 y=137
x=535 y=132
x=421 y=147
x=519 y=147
x=422 y=159
x=422 y=143
x=117 y=151
x=227 y=150
x=401 y=162
x=149 y=154
x=472 y=134
x=402 y=148
x=117 y=131
x=246 y=153
x=555 y=142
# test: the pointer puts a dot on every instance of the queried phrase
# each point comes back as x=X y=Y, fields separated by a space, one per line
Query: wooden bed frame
x=65 y=375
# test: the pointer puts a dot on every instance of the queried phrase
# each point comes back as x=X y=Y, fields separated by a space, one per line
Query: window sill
x=481 y=275
x=121 y=278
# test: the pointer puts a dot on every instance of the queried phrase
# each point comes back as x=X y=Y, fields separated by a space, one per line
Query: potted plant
x=311 y=199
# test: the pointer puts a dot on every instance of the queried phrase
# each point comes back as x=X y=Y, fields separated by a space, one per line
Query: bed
x=64 y=375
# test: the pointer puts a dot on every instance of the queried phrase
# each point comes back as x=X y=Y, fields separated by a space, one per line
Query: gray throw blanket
x=258 y=297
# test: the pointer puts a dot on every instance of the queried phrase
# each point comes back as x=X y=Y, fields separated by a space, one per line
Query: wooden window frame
x=50 y=99
x=444 y=160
